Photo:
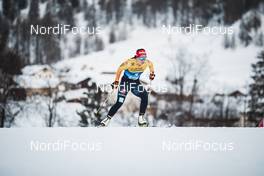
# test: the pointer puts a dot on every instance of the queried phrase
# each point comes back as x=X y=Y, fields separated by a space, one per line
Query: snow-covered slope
x=220 y=70
x=227 y=69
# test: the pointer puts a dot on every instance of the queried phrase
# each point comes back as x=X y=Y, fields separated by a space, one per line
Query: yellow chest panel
x=135 y=66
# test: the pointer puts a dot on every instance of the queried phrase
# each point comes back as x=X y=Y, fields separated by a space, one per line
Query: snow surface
x=132 y=151
x=75 y=94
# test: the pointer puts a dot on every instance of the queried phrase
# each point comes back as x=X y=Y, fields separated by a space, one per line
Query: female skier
x=132 y=68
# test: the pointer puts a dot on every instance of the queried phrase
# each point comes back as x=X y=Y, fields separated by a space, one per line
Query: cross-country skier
x=132 y=68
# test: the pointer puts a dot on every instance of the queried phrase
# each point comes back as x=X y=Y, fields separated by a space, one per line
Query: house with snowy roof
x=36 y=80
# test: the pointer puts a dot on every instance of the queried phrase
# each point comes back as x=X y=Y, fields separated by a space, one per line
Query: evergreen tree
x=92 y=103
x=33 y=17
x=49 y=43
x=4 y=32
x=260 y=38
x=244 y=36
x=24 y=35
x=90 y=15
x=256 y=103
x=119 y=6
x=112 y=38
x=22 y=4
x=75 y=4
x=9 y=9
x=33 y=14
x=249 y=23
x=66 y=13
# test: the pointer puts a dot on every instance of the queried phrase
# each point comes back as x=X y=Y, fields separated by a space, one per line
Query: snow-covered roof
x=37 y=76
x=26 y=81
x=33 y=69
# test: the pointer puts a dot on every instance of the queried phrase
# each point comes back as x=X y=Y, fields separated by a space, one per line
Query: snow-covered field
x=132 y=151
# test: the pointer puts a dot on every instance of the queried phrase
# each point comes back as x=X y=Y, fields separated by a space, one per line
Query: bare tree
x=5 y=85
x=181 y=67
x=12 y=110
x=187 y=75
x=52 y=105
x=95 y=108
x=9 y=66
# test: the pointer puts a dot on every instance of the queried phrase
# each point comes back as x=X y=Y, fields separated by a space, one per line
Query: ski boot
x=142 y=122
x=105 y=122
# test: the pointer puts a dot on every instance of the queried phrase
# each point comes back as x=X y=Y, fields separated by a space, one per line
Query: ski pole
x=149 y=91
x=150 y=86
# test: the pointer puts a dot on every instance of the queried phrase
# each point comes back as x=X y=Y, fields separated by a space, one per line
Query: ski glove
x=151 y=76
x=114 y=84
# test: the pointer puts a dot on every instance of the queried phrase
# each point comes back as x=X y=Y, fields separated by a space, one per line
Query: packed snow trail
x=132 y=151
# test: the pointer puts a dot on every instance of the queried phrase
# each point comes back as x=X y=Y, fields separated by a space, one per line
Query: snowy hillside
x=202 y=78
x=220 y=70
x=227 y=69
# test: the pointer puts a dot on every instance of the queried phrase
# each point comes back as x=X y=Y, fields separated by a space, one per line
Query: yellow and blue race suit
x=132 y=68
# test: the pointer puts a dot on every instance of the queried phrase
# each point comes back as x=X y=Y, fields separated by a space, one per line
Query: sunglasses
x=142 y=58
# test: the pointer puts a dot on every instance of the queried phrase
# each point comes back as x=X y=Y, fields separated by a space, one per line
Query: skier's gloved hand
x=114 y=85
x=152 y=76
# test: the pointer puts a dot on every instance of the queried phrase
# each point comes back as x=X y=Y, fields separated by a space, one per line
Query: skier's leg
x=117 y=105
x=120 y=100
x=121 y=96
x=140 y=92
x=143 y=103
x=105 y=121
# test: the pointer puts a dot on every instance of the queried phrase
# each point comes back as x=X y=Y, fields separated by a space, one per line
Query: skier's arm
x=122 y=67
x=151 y=69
